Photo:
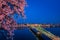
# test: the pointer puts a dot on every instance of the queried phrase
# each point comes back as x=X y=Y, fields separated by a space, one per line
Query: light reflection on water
x=25 y=34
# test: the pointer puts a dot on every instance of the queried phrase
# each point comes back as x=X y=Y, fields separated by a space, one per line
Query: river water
x=25 y=34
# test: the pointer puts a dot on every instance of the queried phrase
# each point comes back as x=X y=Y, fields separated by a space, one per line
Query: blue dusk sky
x=41 y=11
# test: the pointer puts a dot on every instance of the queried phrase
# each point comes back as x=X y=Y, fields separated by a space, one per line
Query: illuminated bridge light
x=9 y=24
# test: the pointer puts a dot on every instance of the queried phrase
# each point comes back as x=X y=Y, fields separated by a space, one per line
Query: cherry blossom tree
x=6 y=13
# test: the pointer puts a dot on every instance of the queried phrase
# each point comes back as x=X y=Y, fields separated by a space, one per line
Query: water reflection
x=25 y=34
